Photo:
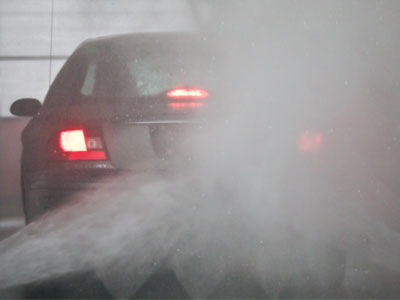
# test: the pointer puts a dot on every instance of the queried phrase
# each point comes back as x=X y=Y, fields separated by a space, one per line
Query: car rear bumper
x=72 y=184
x=49 y=189
x=69 y=176
x=87 y=176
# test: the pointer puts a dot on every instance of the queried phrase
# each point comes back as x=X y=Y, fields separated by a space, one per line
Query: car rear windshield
x=134 y=70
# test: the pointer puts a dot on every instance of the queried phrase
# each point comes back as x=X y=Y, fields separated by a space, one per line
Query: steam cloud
x=253 y=202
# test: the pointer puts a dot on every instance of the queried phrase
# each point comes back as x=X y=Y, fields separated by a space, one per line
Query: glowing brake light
x=76 y=146
x=187 y=93
x=73 y=141
x=179 y=105
x=310 y=142
x=186 y=98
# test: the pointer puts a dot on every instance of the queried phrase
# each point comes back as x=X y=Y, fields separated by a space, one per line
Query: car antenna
x=51 y=40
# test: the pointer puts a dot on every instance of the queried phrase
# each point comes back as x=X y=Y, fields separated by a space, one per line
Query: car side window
x=89 y=81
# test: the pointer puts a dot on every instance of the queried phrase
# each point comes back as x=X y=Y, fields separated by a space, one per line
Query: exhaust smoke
x=252 y=203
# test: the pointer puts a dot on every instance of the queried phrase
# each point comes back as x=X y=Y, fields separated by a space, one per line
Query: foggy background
x=291 y=67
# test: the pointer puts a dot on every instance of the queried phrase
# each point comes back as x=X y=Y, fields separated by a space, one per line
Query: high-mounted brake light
x=178 y=105
x=76 y=146
x=187 y=93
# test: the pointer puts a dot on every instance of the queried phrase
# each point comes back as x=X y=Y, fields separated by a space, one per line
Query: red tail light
x=90 y=155
x=73 y=141
x=76 y=146
x=180 y=93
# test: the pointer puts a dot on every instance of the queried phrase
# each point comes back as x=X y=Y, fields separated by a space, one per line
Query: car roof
x=142 y=37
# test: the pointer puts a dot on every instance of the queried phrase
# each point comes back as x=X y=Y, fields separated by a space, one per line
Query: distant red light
x=187 y=93
x=310 y=142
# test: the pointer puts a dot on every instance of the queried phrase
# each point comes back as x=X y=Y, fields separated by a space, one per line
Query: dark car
x=132 y=103
x=119 y=103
